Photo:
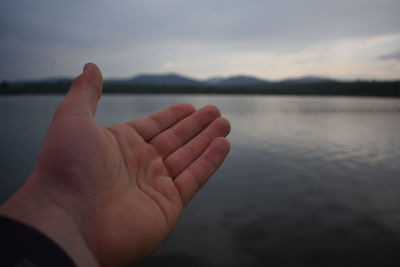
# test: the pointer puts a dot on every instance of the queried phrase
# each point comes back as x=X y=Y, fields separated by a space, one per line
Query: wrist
x=34 y=208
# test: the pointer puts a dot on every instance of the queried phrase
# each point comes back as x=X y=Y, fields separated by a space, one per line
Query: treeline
x=361 y=88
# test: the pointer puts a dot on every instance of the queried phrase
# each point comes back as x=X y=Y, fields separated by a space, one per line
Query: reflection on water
x=309 y=181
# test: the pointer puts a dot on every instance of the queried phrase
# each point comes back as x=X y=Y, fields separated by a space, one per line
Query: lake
x=310 y=181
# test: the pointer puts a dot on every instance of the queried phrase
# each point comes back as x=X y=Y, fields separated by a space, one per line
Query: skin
x=110 y=196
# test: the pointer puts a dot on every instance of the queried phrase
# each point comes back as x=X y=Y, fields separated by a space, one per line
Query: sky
x=270 y=39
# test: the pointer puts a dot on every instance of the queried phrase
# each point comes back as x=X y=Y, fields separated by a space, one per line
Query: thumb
x=85 y=91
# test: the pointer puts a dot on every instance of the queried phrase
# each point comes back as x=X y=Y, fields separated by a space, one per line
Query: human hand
x=119 y=190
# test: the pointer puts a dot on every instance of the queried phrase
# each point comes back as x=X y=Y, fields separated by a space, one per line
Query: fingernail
x=85 y=67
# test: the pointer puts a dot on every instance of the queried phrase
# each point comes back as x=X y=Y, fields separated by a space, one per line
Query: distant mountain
x=179 y=80
x=214 y=81
x=307 y=80
x=235 y=81
x=176 y=84
x=166 y=79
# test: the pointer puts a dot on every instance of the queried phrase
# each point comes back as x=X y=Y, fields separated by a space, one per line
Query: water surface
x=309 y=181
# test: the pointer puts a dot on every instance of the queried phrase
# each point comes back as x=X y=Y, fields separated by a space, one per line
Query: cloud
x=273 y=23
x=130 y=36
x=390 y=56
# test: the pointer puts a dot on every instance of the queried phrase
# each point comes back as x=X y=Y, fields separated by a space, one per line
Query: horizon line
x=207 y=79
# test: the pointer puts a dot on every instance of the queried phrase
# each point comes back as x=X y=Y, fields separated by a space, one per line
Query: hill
x=240 y=80
x=164 y=80
x=177 y=84
x=308 y=80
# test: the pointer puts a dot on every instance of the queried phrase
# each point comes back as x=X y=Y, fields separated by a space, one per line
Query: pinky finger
x=197 y=174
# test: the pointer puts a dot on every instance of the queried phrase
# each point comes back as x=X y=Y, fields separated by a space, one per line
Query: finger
x=184 y=156
x=197 y=174
x=157 y=122
x=179 y=134
x=85 y=91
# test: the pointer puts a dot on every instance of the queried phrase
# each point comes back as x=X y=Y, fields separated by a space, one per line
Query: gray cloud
x=41 y=30
x=271 y=22
x=391 y=56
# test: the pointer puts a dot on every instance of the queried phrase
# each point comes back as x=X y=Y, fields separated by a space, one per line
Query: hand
x=119 y=190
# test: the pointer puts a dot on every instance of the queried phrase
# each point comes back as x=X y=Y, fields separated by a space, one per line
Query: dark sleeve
x=23 y=246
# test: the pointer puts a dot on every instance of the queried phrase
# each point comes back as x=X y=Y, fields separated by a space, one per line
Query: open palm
x=125 y=186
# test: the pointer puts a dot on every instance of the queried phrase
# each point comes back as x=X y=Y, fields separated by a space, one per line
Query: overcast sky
x=271 y=39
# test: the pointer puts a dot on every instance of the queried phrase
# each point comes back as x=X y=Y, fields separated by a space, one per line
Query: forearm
x=31 y=207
